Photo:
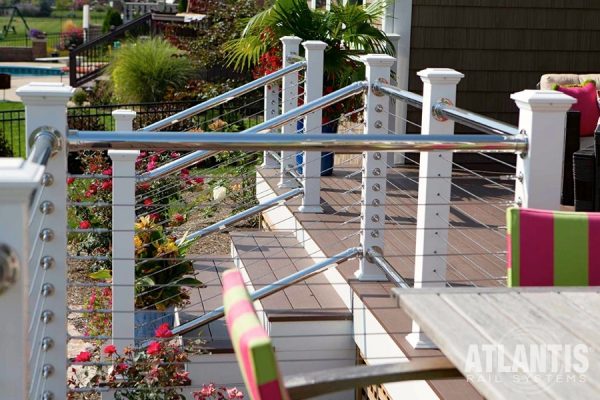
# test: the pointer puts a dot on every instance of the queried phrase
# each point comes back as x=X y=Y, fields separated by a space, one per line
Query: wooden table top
x=515 y=343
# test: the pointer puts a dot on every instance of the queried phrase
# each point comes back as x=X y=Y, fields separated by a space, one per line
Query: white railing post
x=542 y=119
x=46 y=106
x=291 y=47
x=18 y=179
x=435 y=180
x=313 y=84
x=395 y=126
x=374 y=168
x=123 y=248
x=271 y=104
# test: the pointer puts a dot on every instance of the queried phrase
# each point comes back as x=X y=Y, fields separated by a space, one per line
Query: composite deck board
x=208 y=269
x=476 y=242
x=282 y=255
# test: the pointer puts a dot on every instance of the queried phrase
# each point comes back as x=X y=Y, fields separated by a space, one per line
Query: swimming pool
x=30 y=71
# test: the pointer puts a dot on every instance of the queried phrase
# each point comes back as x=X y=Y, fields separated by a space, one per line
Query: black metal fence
x=236 y=115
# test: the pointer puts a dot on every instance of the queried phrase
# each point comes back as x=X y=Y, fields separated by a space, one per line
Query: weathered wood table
x=515 y=343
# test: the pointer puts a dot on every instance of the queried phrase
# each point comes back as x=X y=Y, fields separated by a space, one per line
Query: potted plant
x=348 y=29
x=162 y=277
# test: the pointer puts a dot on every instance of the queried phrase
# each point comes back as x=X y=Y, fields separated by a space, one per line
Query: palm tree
x=348 y=30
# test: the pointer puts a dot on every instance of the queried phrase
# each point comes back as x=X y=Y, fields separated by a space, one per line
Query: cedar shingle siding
x=502 y=47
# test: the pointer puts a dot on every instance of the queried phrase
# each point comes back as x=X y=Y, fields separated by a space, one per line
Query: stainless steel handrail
x=292 y=172
x=292 y=142
x=293 y=115
x=43 y=145
x=387 y=268
x=219 y=226
x=225 y=97
x=473 y=120
x=266 y=126
x=410 y=98
x=274 y=287
x=176 y=165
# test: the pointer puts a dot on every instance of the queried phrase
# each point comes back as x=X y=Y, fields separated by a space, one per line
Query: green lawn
x=51 y=24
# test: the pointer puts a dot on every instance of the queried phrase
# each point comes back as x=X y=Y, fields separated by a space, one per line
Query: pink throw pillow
x=587 y=105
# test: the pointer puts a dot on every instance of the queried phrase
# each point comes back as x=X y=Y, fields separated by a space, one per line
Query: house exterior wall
x=502 y=47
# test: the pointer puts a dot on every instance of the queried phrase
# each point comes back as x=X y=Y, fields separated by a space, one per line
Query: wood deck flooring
x=476 y=240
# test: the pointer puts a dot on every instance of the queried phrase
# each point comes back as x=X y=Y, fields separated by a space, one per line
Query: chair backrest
x=252 y=345
x=553 y=248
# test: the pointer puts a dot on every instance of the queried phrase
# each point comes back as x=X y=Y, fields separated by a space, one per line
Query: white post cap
x=543 y=100
x=314 y=45
x=290 y=40
x=45 y=93
x=441 y=76
x=378 y=60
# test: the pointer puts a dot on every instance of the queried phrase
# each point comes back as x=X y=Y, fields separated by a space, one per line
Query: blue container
x=327 y=158
x=147 y=321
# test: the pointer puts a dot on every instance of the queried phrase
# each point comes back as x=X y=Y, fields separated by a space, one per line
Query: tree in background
x=112 y=19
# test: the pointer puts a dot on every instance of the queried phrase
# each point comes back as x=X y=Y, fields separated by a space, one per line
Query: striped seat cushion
x=252 y=345
x=553 y=248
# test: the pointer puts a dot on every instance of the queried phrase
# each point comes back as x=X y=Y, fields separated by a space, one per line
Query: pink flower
x=163 y=331
x=107 y=185
x=107 y=171
x=233 y=393
x=207 y=390
x=151 y=165
x=85 y=225
x=153 y=158
x=175 y=154
x=153 y=348
x=70 y=180
x=110 y=350
x=83 y=356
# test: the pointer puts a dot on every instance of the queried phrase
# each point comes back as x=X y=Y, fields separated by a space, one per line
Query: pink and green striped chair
x=553 y=248
x=252 y=345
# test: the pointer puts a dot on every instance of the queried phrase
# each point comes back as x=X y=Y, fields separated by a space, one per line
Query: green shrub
x=5 y=148
x=79 y=97
x=111 y=20
x=182 y=5
x=143 y=71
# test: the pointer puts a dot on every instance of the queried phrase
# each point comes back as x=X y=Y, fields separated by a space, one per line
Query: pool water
x=30 y=71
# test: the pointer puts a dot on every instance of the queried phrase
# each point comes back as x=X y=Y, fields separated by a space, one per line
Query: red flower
x=153 y=348
x=179 y=218
x=107 y=185
x=121 y=368
x=84 y=356
x=144 y=186
x=93 y=188
x=199 y=180
x=85 y=225
x=107 y=171
x=163 y=331
x=154 y=217
x=185 y=172
x=175 y=154
x=70 y=180
x=148 y=201
x=151 y=165
x=110 y=350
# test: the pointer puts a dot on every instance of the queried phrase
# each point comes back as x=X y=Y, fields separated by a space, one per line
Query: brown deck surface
x=269 y=256
x=202 y=300
x=476 y=243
